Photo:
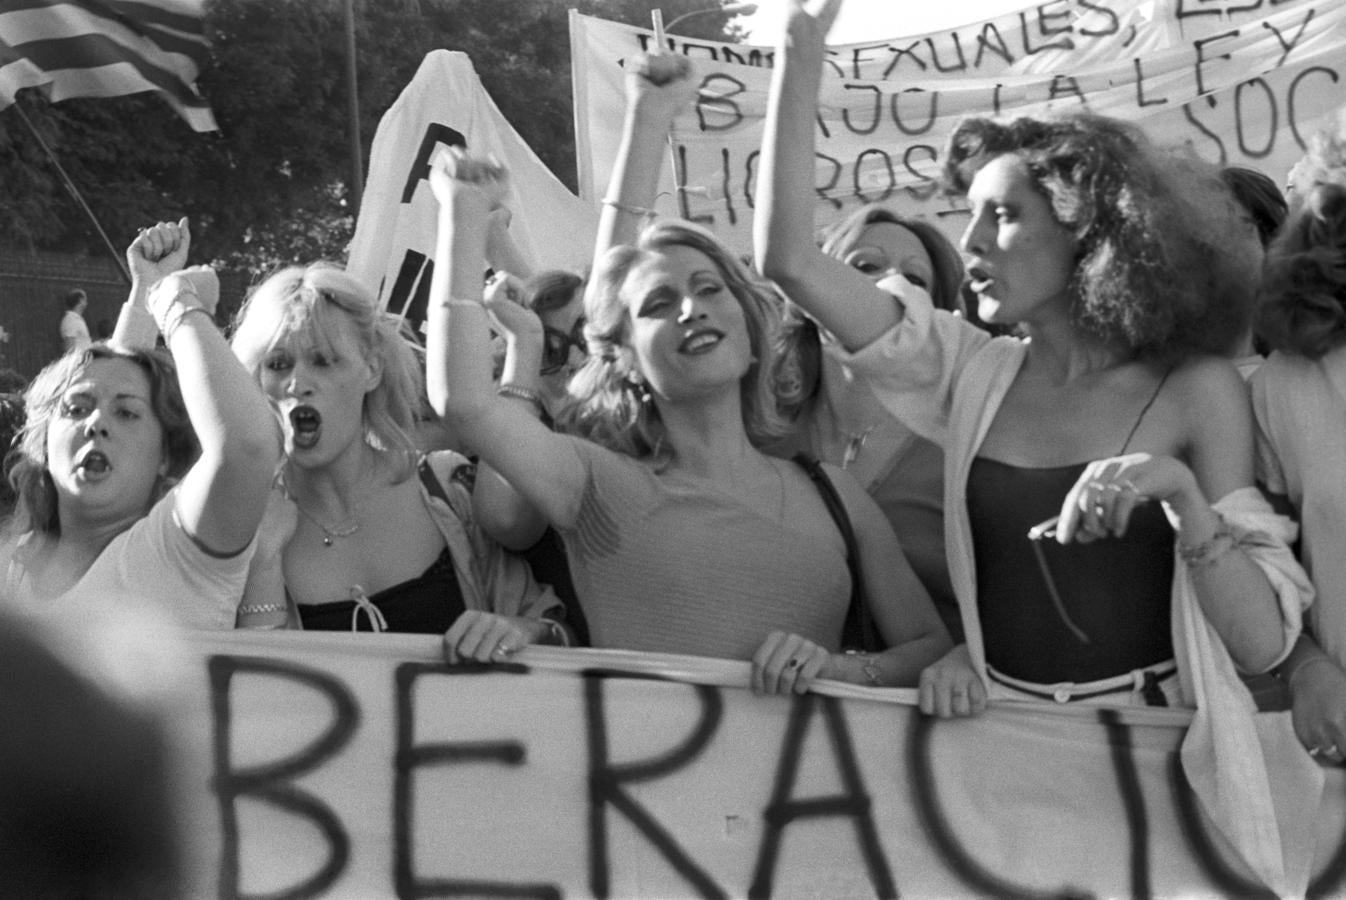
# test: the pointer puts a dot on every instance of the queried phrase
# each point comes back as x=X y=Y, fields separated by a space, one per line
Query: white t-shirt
x=153 y=567
x=74 y=331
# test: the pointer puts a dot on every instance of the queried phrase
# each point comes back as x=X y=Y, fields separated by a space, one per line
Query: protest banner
x=445 y=105
x=350 y=766
x=1238 y=83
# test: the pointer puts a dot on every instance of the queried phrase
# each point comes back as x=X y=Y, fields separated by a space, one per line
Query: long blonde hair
x=608 y=404
x=308 y=299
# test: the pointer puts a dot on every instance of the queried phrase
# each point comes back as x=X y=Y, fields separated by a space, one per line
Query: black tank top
x=427 y=604
x=1117 y=591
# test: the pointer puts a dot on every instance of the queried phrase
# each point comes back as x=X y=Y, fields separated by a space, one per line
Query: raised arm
x=157 y=251
x=842 y=299
x=543 y=467
x=221 y=499
x=658 y=86
x=501 y=511
x=502 y=252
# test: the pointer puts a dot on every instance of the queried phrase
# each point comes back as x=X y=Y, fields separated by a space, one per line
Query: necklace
x=330 y=535
x=341 y=530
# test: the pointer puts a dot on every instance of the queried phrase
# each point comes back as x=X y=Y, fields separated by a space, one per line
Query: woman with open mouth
x=142 y=476
x=384 y=539
x=683 y=536
x=1088 y=465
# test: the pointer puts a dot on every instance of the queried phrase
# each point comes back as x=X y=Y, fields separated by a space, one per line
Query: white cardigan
x=946 y=378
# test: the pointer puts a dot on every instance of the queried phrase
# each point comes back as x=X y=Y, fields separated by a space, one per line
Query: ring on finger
x=1114 y=488
x=1100 y=510
x=1095 y=485
x=1129 y=485
x=794 y=663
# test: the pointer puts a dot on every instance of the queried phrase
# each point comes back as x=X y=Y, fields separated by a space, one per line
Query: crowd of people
x=1015 y=469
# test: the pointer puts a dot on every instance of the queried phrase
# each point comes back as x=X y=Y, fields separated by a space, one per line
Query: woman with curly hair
x=384 y=538
x=1096 y=430
x=683 y=536
x=141 y=476
x=1299 y=397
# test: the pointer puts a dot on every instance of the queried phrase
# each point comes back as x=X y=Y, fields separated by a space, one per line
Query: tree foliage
x=272 y=185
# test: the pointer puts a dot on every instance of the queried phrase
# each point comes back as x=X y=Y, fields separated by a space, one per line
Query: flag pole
x=74 y=191
x=357 y=173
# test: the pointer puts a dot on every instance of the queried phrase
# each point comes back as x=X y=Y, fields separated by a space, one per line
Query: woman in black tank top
x=1112 y=258
x=382 y=539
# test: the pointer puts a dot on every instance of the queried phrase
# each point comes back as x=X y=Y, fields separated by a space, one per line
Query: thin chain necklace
x=331 y=535
x=340 y=530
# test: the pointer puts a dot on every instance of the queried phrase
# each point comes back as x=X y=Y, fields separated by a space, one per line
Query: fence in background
x=33 y=287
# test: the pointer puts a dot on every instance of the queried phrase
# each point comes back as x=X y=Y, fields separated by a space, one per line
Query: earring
x=637 y=382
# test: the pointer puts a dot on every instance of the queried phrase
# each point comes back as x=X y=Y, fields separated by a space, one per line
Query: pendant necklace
x=331 y=535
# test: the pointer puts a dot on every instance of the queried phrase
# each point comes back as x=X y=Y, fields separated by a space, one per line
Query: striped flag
x=106 y=48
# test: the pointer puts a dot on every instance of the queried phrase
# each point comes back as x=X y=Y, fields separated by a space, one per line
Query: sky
x=863 y=20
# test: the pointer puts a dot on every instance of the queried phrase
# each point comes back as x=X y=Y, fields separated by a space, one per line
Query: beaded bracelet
x=1208 y=551
x=259 y=608
x=519 y=392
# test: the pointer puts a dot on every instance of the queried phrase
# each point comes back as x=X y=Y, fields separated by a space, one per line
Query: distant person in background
x=74 y=330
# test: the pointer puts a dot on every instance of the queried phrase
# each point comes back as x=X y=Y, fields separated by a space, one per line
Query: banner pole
x=74 y=191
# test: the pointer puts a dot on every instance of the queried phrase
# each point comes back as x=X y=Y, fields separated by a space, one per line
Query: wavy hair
x=1260 y=198
x=609 y=403
x=316 y=300
x=1156 y=231
x=1324 y=162
x=799 y=349
x=1302 y=307
x=26 y=464
x=552 y=289
x=948 y=263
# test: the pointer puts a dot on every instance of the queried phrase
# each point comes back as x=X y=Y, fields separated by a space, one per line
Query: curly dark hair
x=1155 y=230
x=1302 y=306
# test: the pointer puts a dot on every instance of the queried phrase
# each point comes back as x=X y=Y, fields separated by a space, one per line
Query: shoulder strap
x=859 y=631
x=1146 y=408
